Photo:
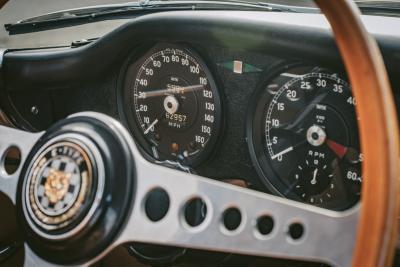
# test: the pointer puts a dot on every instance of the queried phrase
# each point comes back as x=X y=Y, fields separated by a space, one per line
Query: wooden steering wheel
x=377 y=229
x=110 y=207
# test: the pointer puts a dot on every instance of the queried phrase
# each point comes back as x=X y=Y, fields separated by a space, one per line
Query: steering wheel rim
x=376 y=235
x=377 y=232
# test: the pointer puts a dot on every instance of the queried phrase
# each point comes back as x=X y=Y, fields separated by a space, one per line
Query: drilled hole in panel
x=265 y=224
x=232 y=218
x=156 y=204
x=296 y=231
x=195 y=212
x=11 y=160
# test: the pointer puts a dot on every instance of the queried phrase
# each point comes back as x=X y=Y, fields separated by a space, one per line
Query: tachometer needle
x=151 y=126
x=340 y=150
x=282 y=152
x=173 y=91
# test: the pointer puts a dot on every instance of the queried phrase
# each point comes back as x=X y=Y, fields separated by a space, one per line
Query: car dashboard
x=259 y=100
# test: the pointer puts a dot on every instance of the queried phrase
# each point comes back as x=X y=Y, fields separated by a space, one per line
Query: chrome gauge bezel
x=255 y=115
x=125 y=102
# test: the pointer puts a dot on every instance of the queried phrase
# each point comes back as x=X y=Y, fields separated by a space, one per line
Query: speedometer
x=304 y=137
x=174 y=104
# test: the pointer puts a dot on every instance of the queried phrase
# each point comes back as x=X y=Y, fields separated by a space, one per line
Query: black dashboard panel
x=63 y=81
x=70 y=66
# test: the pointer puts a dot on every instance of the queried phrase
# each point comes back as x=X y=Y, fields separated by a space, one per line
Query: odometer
x=174 y=104
x=305 y=137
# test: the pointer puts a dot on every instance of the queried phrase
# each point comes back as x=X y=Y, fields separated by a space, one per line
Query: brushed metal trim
x=329 y=235
x=24 y=141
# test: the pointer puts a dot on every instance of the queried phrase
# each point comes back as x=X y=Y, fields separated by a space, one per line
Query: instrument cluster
x=301 y=125
x=304 y=138
x=172 y=104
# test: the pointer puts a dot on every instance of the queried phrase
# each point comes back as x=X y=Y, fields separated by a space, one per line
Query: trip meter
x=173 y=104
x=304 y=137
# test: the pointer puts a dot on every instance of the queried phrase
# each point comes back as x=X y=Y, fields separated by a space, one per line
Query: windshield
x=14 y=11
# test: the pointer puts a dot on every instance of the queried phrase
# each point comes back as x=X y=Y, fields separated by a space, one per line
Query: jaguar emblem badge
x=56 y=185
x=59 y=185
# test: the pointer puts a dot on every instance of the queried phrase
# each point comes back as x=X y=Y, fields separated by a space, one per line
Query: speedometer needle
x=282 y=152
x=151 y=126
x=174 y=90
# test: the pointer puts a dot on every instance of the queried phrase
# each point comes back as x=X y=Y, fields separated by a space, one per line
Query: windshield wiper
x=383 y=8
x=73 y=17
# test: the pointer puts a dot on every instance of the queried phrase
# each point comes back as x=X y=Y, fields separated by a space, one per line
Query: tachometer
x=174 y=103
x=304 y=138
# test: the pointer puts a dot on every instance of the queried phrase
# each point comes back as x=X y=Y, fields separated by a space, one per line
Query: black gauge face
x=174 y=104
x=305 y=138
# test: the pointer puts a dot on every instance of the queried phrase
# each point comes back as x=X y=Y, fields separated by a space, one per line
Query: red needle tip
x=340 y=150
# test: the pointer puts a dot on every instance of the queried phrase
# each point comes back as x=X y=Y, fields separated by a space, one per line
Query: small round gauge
x=304 y=137
x=174 y=104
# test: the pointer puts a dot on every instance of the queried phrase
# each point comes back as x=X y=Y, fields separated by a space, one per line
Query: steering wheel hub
x=77 y=185
x=61 y=186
